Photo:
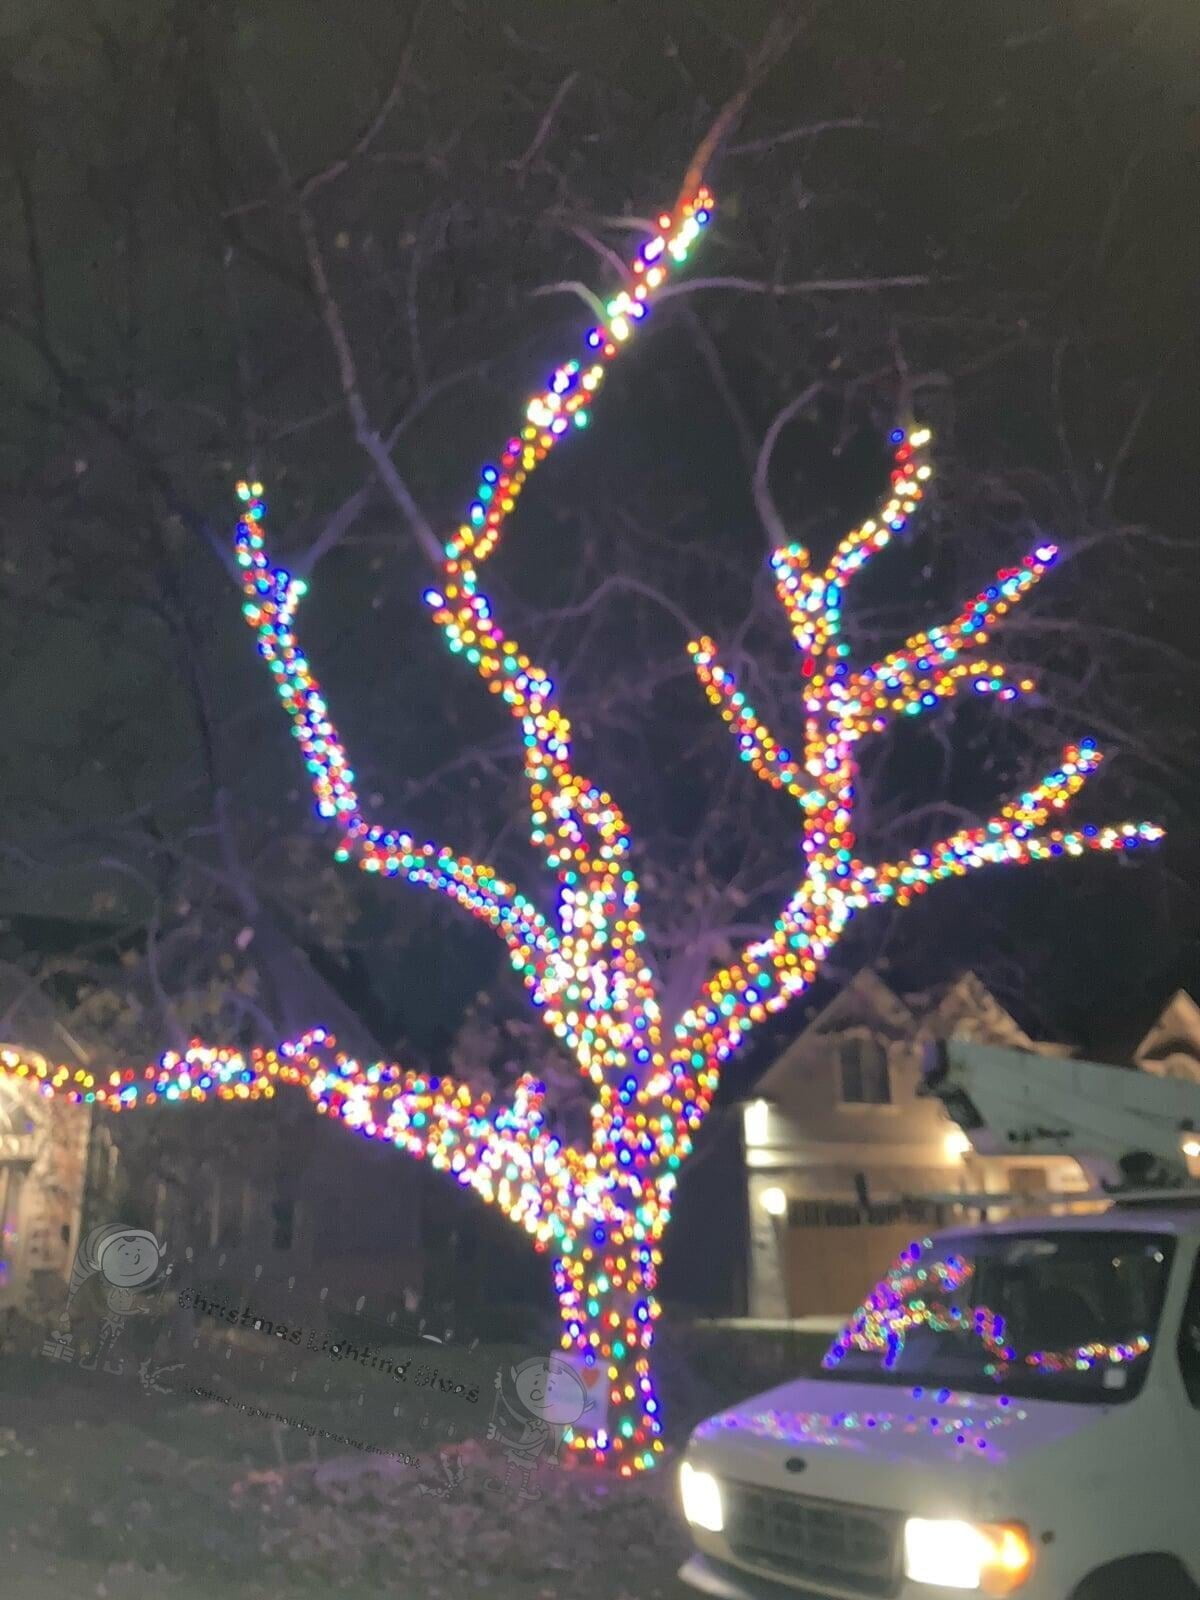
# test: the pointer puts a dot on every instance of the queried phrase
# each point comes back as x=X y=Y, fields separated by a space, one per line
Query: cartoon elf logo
x=551 y=1397
x=126 y=1259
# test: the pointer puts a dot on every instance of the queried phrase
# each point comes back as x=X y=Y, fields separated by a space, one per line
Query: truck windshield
x=1061 y=1316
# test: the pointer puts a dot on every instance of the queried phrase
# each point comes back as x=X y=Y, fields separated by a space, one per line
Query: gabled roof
x=969 y=1010
x=866 y=1000
x=30 y=1019
x=966 y=1009
x=1172 y=1045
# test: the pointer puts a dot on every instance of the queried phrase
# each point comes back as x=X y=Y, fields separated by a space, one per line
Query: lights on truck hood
x=973 y=1424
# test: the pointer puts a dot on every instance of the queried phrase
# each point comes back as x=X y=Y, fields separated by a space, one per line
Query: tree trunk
x=605 y=1282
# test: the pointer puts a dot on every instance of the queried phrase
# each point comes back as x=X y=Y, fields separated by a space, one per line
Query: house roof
x=29 y=1018
x=965 y=1008
x=865 y=1002
x=865 y=999
x=1172 y=1045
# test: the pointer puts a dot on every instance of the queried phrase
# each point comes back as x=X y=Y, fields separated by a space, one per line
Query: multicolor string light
x=504 y=1153
x=968 y=1422
x=603 y=1210
x=842 y=708
x=586 y=970
x=919 y=1292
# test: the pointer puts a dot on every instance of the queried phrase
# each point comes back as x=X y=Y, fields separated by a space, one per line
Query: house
x=44 y=1154
x=294 y=1202
x=263 y=1194
x=275 y=1203
x=838 y=1148
x=841 y=1162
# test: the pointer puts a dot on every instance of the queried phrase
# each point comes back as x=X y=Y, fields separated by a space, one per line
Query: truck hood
x=885 y=1446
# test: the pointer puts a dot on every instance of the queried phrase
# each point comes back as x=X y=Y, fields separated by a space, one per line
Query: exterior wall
x=907 y=1146
x=810 y=1116
x=826 y=1251
x=323 y=1221
x=43 y=1176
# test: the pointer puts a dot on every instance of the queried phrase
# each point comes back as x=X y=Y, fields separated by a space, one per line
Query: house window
x=863 y=1070
x=1189 y=1341
x=282 y=1221
x=1027 y=1180
x=230 y=1217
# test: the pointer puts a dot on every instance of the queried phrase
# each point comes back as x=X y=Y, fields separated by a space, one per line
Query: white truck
x=1015 y=1409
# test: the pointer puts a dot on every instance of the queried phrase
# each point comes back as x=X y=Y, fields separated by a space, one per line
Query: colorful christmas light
x=971 y=1422
x=919 y=1292
x=504 y=1153
x=603 y=1210
x=842 y=708
x=585 y=969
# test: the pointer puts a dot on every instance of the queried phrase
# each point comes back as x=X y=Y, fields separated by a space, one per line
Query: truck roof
x=1180 y=1217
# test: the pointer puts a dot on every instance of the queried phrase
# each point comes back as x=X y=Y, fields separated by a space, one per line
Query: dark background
x=1035 y=170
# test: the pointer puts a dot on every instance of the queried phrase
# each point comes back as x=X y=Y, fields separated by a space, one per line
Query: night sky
x=1040 y=178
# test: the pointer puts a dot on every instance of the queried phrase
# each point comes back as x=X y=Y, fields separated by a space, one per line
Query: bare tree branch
x=547 y=122
x=1141 y=411
x=572 y=286
x=366 y=138
x=364 y=431
x=810 y=131
x=784 y=290
x=778 y=38
x=767 y=510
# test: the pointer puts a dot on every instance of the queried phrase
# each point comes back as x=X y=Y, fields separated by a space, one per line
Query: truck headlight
x=993 y=1558
x=701 y=1496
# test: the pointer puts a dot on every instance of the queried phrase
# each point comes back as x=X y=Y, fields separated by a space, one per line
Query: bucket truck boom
x=1125 y=1128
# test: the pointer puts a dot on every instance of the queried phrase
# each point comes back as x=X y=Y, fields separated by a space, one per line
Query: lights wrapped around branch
x=604 y=1235
x=602 y=1210
x=611 y=1016
x=757 y=745
x=272 y=595
x=587 y=973
x=841 y=708
x=600 y=1010
x=504 y=1153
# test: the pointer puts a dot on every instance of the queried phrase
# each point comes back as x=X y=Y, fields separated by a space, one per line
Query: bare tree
x=650 y=1049
x=336 y=291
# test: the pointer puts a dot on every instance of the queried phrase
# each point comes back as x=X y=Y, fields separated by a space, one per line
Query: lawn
x=107 y=1490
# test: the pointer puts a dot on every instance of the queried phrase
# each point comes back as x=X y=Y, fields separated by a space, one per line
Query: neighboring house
x=337 y=1215
x=312 y=1212
x=838 y=1149
x=44 y=1151
x=288 y=1195
x=1172 y=1047
x=843 y=1162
